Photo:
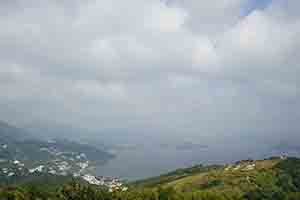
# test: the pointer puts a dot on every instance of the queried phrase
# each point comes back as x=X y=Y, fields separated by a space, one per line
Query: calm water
x=146 y=161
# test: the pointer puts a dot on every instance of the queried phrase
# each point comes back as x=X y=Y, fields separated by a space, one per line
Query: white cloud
x=192 y=67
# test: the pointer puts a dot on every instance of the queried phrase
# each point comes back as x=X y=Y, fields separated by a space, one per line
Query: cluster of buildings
x=248 y=165
x=72 y=156
x=63 y=168
x=113 y=184
x=14 y=167
x=63 y=163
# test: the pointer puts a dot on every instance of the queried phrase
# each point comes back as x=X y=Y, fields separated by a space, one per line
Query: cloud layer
x=199 y=69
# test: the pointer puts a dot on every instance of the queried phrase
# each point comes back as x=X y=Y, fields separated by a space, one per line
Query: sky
x=196 y=69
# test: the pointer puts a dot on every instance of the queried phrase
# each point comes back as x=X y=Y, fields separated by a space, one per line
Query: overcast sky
x=181 y=68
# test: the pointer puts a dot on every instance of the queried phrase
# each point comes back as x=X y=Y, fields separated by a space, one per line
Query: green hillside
x=41 y=180
x=276 y=178
x=271 y=178
x=212 y=177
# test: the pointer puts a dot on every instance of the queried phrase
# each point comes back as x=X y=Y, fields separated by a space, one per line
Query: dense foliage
x=75 y=191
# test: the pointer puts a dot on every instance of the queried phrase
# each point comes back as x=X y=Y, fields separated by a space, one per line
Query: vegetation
x=246 y=180
x=175 y=175
x=42 y=180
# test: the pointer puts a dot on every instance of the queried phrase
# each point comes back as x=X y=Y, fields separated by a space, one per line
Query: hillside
x=277 y=178
x=22 y=155
x=266 y=179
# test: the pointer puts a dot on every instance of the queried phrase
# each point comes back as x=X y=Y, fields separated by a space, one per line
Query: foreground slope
x=267 y=179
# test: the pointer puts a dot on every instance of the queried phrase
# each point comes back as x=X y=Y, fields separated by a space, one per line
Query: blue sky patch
x=253 y=5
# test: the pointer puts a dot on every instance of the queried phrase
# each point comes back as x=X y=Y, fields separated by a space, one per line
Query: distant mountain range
x=22 y=154
x=10 y=133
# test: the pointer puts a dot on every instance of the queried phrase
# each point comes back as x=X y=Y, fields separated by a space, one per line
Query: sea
x=143 y=161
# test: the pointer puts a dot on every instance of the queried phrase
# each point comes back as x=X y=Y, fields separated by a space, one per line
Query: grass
x=236 y=177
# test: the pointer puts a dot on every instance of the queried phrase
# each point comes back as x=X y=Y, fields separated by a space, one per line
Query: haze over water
x=152 y=160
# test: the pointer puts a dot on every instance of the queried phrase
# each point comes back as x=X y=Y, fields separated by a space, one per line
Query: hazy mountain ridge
x=21 y=154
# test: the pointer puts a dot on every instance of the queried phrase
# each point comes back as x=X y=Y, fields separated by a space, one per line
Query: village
x=62 y=164
x=248 y=165
x=113 y=184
